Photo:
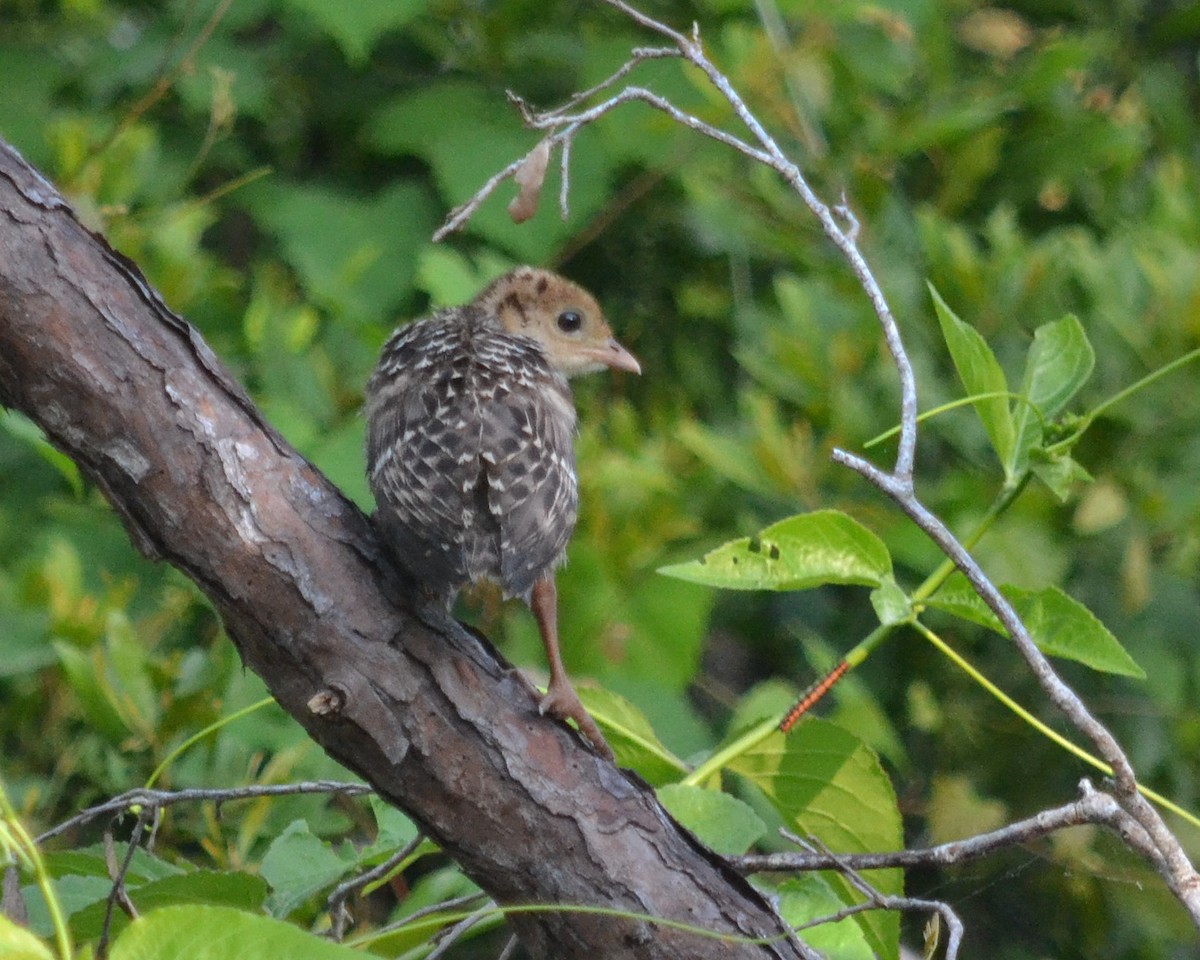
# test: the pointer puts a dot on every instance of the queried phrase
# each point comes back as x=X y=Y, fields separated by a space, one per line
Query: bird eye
x=569 y=321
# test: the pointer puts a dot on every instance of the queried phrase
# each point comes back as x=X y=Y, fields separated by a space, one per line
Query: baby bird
x=470 y=447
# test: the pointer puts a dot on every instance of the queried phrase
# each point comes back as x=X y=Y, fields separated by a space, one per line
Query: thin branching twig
x=1093 y=807
x=877 y=900
x=450 y=937
x=336 y=904
x=118 y=895
x=1144 y=829
x=158 y=799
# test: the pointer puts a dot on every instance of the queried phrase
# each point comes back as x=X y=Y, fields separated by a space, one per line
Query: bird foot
x=562 y=702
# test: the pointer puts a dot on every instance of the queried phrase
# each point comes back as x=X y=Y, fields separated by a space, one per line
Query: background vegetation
x=277 y=167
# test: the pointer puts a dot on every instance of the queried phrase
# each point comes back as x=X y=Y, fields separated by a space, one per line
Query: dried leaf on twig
x=530 y=176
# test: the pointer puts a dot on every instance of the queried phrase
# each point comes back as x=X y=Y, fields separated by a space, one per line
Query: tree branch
x=1093 y=807
x=422 y=709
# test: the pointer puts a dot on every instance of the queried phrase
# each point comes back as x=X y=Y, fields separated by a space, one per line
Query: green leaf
x=450 y=277
x=358 y=26
x=630 y=735
x=393 y=829
x=217 y=888
x=74 y=893
x=23 y=646
x=891 y=603
x=603 y=604
x=980 y=373
x=1060 y=625
x=354 y=254
x=426 y=898
x=466 y=132
x=726 y=457
x=298 y=865
x=676 y=613
x=92 y=861
x=220 y=933
x=86 y=675
x=26 y=431
x=338 y=453
x=1060 y=361
x=826 y=782
x=17 y=943
x=809 y=897
x=801 y=552
x=1061 y=473
x=133 y=692
x=724 y=823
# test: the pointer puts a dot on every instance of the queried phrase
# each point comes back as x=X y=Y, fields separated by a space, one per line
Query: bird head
x=561 y=316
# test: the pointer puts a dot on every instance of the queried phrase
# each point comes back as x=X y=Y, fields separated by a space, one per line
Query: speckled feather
x=470 y=453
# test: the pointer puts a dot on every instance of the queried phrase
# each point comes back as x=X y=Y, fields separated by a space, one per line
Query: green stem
x=963 y=664
x=440 y=920
x=197 y=737
x=719 y=760
x=1090 y=417
x=26 y=848
x=939 y=576
x=756 y=735
x=954 y=405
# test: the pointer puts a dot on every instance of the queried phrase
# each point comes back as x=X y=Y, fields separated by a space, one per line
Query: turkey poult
x=470 y=447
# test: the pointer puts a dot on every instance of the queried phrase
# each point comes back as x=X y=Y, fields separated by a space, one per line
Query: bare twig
x=882 y=901
x=336 y=904
x=454 y=934
x=567 y=127
x=692 y=50
x=158 y=799
x=1152 y=838
x=118 y=895
x=167 y=79
x=1169 y=858
x=1094 y=807
x=446 y=906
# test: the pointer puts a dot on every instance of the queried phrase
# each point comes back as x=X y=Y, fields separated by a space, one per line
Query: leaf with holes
x=801 y=552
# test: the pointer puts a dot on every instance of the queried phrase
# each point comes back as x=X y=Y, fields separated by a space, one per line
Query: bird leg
x=561 y=700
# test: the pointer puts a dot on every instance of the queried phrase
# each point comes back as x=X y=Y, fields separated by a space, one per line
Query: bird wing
x=528 y=452
x=423 y=435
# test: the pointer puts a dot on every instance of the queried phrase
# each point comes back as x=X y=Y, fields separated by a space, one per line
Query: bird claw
x=562 y=702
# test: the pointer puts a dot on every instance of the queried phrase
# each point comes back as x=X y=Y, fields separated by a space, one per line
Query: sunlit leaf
x=798 y=553
x=220 y=933
x=17 y=943
x=826 y=782
x=721 y=821
x=809 y=896
x=630 y=735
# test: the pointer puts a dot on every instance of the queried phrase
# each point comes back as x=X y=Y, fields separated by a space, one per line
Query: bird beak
x=612 y=354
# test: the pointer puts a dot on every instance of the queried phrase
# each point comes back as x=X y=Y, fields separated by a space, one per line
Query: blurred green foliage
x=277 y=168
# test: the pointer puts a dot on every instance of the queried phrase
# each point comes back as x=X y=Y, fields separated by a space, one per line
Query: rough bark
x=419 y=707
